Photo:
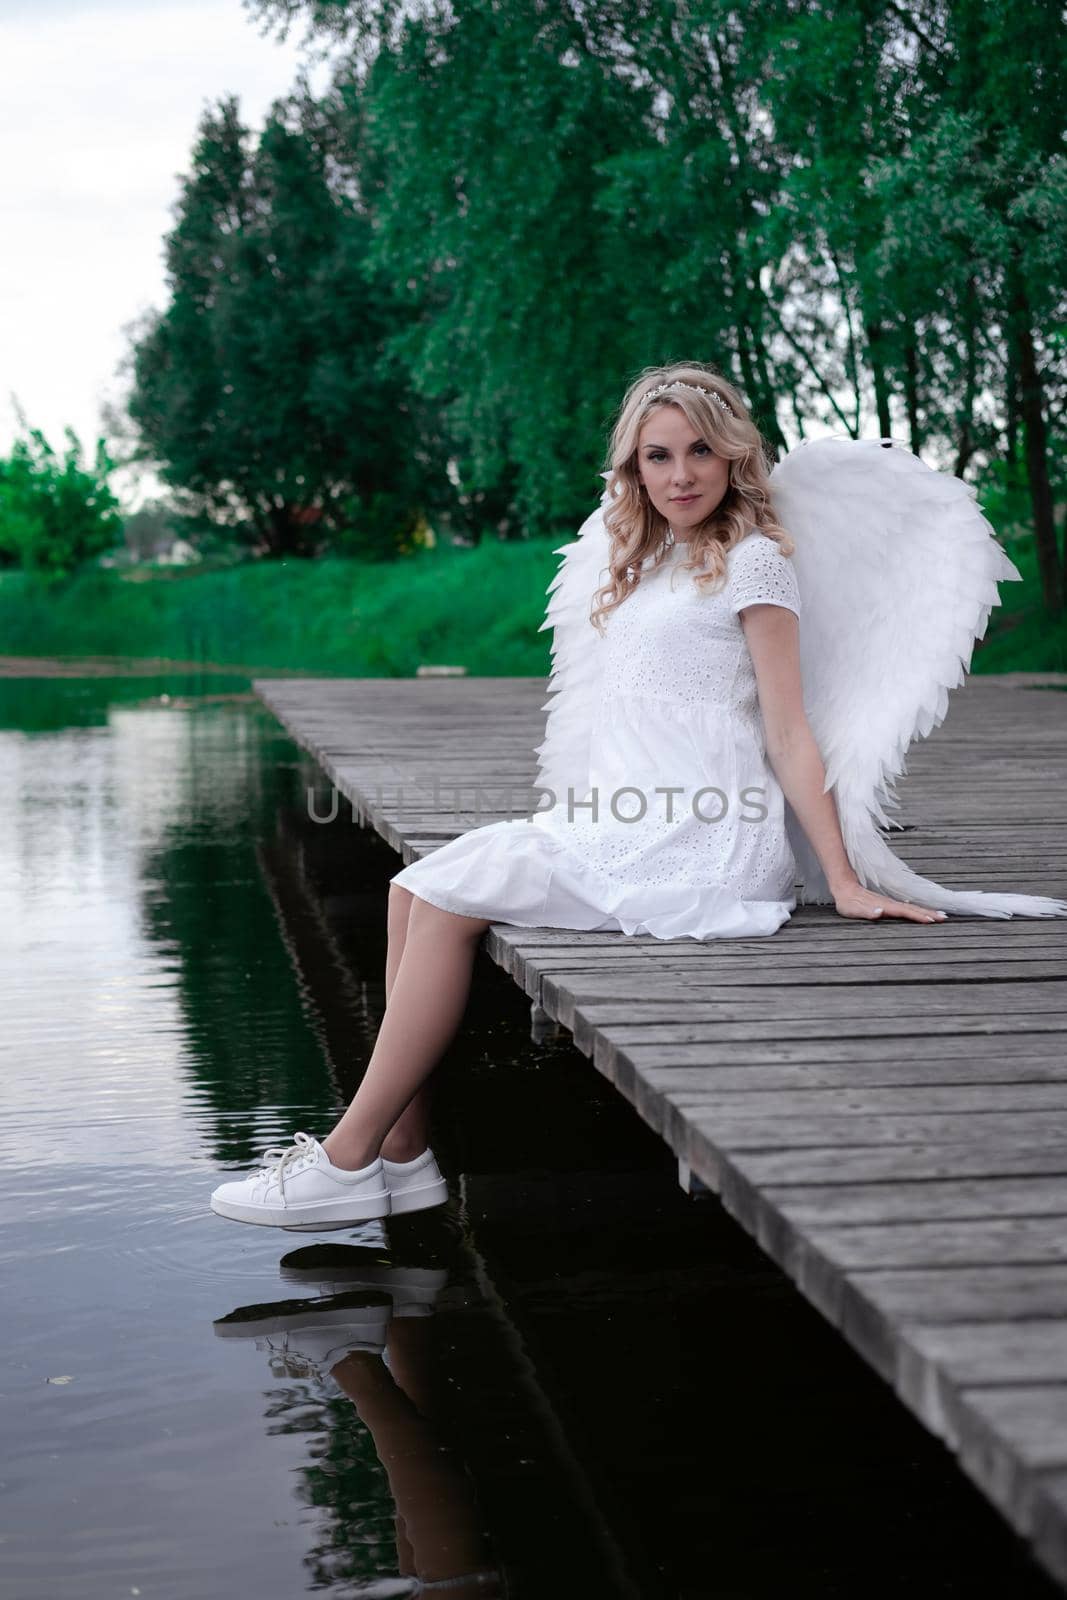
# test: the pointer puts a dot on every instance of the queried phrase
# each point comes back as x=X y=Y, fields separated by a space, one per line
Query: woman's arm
x=772 y=634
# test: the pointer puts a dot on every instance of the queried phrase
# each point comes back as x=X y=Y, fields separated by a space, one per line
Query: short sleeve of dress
x=761 y=574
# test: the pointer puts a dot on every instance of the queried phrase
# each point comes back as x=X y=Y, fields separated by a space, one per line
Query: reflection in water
x=570 y=1382
x=377 y=1343
x=184 y=1001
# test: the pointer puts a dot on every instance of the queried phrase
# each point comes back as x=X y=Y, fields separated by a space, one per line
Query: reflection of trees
x=355 y=1537
x=249 y=1047
x=327 y=885
x=44 y=704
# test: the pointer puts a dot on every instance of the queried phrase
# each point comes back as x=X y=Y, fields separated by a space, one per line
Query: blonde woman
x=729 y=705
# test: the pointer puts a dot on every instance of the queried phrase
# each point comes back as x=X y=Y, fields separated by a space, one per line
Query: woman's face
x=683 y=477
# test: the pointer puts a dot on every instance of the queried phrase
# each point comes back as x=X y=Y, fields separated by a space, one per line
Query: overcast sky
x=99 y=105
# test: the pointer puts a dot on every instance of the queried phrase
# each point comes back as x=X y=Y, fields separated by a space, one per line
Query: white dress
x=681 y=832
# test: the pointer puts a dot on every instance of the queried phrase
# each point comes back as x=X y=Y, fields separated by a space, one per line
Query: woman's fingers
x=860 y=902
x=901 y=908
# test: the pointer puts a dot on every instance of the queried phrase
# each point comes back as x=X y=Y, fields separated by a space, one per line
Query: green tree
x=263 y=390
x=974 y=243
x=487 y=212
x=857 y=210
x=56 y=512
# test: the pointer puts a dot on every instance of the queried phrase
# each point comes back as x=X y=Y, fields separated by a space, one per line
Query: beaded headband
x=696 y=388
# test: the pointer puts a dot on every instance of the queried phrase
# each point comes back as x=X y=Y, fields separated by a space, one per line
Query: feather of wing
x=898 y=571
x=575 y=677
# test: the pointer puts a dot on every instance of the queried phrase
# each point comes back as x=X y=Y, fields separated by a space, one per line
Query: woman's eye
x=659 y=455
x=702 y=450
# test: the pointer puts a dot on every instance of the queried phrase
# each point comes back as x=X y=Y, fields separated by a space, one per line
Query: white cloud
x=99 y=106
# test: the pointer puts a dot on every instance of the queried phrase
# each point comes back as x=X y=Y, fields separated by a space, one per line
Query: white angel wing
x=897 y=570
x=574 y=682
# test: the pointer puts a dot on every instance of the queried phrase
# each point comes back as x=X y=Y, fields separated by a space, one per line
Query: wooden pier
x=883 y=1106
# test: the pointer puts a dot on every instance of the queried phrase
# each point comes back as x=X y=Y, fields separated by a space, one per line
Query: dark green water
x=591 y=1385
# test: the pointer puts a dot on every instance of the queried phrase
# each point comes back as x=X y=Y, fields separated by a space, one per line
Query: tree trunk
x=875 y=334
x=771 y=426
x=911 y=395
x=1035 y=445
x=283 y=532
x=1012 y=420
x=965 y=446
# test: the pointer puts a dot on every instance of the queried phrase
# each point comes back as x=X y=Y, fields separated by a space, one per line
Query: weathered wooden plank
x=987 y=1354
x=1000 y=966
x=992 y=1156
x=974 y=1242
x=770 y=1077
x=827 y=964
x=968 y=1294
x=859 y=1104
x=1023 y=1424
x=702 y=996
x=921 y=1201
x=712 y=1030
x=607 y=952
x=873 y=1048
x=803 y=991
x=822 y=969
x=827 y=1131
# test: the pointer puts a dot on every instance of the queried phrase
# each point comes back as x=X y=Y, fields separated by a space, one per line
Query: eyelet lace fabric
x=682 y=832
x=759 y=572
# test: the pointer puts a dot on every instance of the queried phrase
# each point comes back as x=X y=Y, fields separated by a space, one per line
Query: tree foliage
x=56 y=511
x=857 y=210
x=262 y=390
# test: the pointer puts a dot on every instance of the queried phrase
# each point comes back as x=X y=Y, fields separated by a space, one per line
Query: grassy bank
x=476 y=608
x=479 y=609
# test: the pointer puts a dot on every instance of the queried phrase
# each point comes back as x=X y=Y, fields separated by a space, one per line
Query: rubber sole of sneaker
x=386 y=1280
x=327 y=1215
x=419 y=1197
x=370 y=1321
x=415 y=1297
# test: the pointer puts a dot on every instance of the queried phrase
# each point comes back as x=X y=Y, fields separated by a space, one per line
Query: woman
x=687 y=793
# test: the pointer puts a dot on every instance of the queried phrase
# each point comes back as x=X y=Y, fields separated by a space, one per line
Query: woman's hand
x=856 y=901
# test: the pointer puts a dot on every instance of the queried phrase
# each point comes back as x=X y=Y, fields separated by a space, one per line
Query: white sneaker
x=414 y=1185
x=308 y=1340
x=413 y=1290
x=298 y=1187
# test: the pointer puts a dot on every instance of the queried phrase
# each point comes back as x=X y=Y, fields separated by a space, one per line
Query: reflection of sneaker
x=336 y=1268
x=415 y=1185
x=299 y=1187
x=305 y=1339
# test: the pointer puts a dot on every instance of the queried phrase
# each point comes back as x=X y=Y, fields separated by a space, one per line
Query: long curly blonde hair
x=638 y=531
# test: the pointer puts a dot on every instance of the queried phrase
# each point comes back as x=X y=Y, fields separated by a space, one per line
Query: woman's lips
x=684 y=499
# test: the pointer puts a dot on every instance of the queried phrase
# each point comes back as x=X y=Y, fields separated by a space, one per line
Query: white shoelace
x=280 y=1160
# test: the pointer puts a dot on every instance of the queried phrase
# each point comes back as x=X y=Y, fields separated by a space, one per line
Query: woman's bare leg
x=439 y=1527
x=430 y=985
x=398 y=915
x=410 y=1133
